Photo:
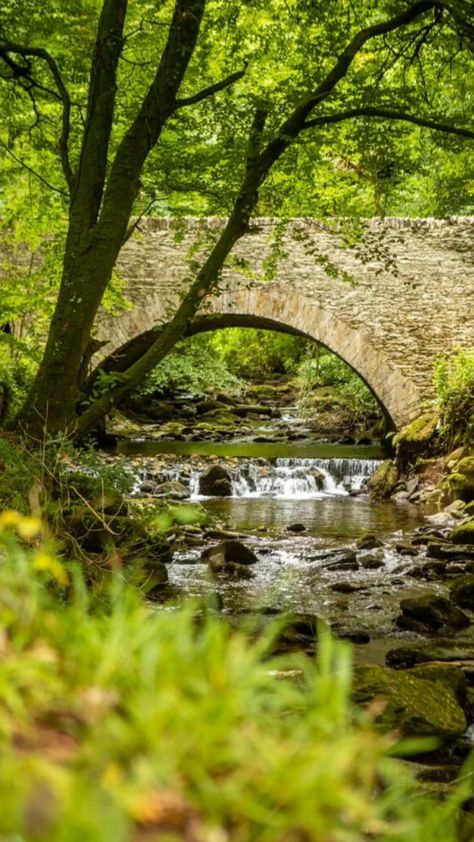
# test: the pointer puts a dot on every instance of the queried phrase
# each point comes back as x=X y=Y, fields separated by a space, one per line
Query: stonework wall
x=388 y=306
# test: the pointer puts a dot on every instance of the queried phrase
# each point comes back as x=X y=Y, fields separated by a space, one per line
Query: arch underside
x=267 y=308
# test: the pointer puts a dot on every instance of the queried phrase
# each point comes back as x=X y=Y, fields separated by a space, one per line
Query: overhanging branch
x=389 y=114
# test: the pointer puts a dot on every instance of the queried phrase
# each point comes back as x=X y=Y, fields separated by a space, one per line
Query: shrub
x=193 y=366
x=454 y=385
x=120 y=722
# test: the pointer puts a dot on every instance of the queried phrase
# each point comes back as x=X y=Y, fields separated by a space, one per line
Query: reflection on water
x=250 y=450
x=335 y=517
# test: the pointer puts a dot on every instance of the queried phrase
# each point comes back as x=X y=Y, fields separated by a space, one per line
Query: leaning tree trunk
x=101 y=206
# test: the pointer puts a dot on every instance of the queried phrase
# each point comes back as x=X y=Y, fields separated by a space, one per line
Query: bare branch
x=63 y=92
x=389 y=114
x=211 y=90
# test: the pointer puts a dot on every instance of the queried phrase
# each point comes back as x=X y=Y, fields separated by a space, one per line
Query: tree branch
x=211 y=90
x=388 y=114
x=63 y=92
x=31 y=170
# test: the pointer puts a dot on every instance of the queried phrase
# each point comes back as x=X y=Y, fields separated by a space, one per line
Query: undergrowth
x=120 y=722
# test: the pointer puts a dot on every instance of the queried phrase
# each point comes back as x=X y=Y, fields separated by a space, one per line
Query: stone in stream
x=462 y=591
x=229 y=557
x=347 y=561
x=371 y=561
x=216 y=482
x=296 y=527
x=369 y=541
x=463 y=534
x=430 y=612
x=299 y=631
x=404 y=548
x=172 y=488
x=418 y=702
x=346 y=587
x=440 y=550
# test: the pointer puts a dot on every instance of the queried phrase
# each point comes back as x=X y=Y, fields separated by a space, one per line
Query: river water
x=320 y=488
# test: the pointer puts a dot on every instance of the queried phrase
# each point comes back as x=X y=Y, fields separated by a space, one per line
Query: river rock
x=371 y=561
x=172 y=488
x=403 y=548
x=299 y=631
x=216 y=482
x=369 y=541
x=462 y=591
x=383 y=480
x=430 y=612
x=463 y=534
x=346 y=561
x=222 y=556
x=417 y=703
x=416 y=437
x=296 y=527
x=450 y=552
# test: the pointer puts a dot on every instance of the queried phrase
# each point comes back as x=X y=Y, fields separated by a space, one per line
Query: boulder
x=415 y=438
x=462 y=591
x=463 y=534
x=173 y=488
x=430 y=612
x=346 y=561
x=223 y=557
x=418 y=702
x=296 y=527
x=216 y=482
x=384 y=480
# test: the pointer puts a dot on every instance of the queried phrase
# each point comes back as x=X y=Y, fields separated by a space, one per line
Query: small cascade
x=296 y=478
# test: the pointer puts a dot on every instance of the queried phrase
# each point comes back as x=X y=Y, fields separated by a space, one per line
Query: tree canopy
x=113 y=110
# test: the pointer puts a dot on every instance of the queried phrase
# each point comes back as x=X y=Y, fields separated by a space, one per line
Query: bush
x=454 y=385
x=193 y=366
x=350 y=392
x=120 y=722
x=252 y=353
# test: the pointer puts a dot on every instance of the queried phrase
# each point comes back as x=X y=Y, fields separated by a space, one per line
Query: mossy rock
x=415 y=705
x=384 y=480
x=415 y=438
x=463 y=534
x=462 y=591
x=458 y=486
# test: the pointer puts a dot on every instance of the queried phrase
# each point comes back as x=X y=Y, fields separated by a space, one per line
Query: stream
x=315 y=567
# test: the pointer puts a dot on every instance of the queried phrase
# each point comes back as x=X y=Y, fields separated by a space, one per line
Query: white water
x=296 y=478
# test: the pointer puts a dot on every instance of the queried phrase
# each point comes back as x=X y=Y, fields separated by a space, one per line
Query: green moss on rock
x=463 y=534
x=415 y=438
x=384 y=480
x=415 y=705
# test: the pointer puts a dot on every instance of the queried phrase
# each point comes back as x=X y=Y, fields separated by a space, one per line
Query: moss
x=413 y=705
x=463 y=534
x=417 y=436
x=384 y=480
x=458 y=486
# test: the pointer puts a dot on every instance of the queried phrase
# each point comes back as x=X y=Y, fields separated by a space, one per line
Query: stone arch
x=268 y=307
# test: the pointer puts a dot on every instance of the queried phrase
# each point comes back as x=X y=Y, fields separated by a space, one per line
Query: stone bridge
x=388 y=305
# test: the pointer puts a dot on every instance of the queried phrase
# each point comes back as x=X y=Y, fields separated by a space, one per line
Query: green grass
x=121 y=722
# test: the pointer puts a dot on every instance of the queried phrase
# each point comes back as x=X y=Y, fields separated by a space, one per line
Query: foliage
x=454 y=385
x=193 y=367
x=254 y=353
x=350 y=392
x=118 y=721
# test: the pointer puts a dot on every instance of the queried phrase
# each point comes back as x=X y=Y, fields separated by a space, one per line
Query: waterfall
x=296 y=478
